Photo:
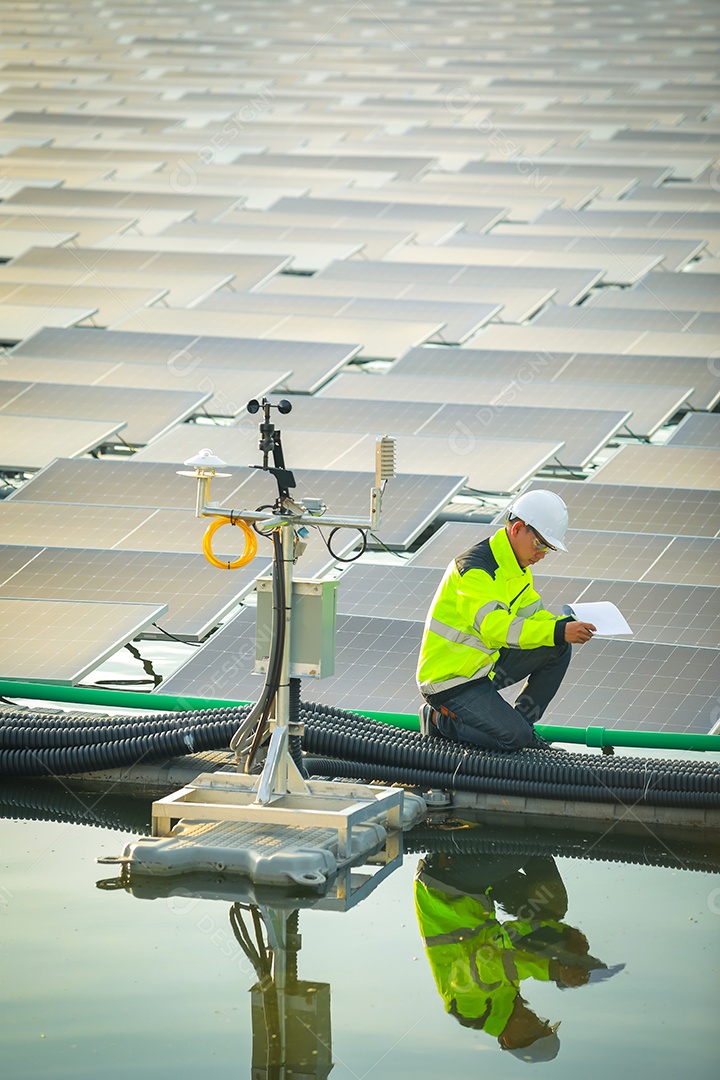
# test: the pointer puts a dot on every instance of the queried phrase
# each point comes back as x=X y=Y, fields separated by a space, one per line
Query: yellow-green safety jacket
x=477 y=962
x=484 y=603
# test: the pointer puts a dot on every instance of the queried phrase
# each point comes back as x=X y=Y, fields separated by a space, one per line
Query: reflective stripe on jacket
x=476 y=963
x=484 y=603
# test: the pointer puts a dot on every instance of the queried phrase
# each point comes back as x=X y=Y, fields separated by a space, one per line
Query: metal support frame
x=280 y=794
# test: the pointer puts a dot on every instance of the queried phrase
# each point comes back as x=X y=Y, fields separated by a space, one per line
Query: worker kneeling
x=487 y=629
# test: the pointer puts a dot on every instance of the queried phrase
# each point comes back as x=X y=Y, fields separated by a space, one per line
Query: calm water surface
x=101 y=983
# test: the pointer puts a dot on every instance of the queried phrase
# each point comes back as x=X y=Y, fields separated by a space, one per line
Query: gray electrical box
x=314 y=621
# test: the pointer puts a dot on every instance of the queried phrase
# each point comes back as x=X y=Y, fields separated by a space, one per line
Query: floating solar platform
x=192 y=595
x=697 y=429
x=374 y=666
x=143 y=414
x=30 y=442
x=651 y=406
x=663 y=466
x=61 y=641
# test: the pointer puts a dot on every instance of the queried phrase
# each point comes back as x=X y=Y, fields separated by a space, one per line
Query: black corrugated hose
x=343 y=744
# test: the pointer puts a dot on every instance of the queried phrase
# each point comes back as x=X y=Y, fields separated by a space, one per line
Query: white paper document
x=608 y=619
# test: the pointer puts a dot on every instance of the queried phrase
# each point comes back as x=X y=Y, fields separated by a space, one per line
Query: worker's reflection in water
x=479 y=958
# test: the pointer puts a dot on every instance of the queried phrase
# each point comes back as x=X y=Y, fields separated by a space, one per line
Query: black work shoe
x=428 y=721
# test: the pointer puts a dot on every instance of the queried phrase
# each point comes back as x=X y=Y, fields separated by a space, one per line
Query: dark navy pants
x=483 y=717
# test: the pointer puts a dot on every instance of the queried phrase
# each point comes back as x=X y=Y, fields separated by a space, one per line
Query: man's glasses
x=539 y=542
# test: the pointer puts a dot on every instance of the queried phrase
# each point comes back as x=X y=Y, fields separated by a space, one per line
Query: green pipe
x=591 y=736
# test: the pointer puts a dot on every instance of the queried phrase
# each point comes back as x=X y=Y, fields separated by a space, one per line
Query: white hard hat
x=545 y=511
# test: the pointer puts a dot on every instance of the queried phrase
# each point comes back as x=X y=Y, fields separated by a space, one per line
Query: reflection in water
x=290 y=1017
x=291 y=1029
x=480 y=957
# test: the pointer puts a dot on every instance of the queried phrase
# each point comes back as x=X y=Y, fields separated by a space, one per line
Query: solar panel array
x=518 y=248
x=61 y=642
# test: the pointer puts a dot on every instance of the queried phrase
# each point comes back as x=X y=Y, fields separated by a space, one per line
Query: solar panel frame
x=30 y=442
x=312 y=363
x=36 y=635
x=697 y=429
x=663 y=466
x=193 y=596
x=390 y=591
x=638 y=508
x=142 y=414
x=651 y=405
x=374 y=666
x=120 y=482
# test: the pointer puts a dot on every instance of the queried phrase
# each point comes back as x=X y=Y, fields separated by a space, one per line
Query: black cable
x=195 y=644
x=277 y=645
x=328 y=543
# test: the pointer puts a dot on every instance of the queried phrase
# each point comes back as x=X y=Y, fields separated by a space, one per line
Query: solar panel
x=529 y=365
x=103 y=305
x=146 y=413
x=30 y=442
x=312 y=363
x=45 y=524
x=601 y=318
x=490 y=250
x=310 y=240
x=626 y=508
x=238 y=445
x=667 y=614
x=584 y=433
x=193 y=595
x=612 y=683
x=181 y=288
x=459 y=321
x=651 y=406
x=388 y=591
x=478 y=217
x=411 y=502
x=17 y=321
x=450 y=540
x=571 y=285
x=635 y=685
x=491 y=464
x=231 y=388
x=664 y=466
x=697 y=429
x=247 y=270
x=689 y=561
x=121 y=483
x=13 y=558
x=382 y=339
x=62 y=641
x=675 y=254
x=517 y=304
x=374 y=666
x=627 y=342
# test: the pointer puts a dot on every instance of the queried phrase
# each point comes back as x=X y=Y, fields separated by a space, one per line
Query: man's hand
x=578 y=632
